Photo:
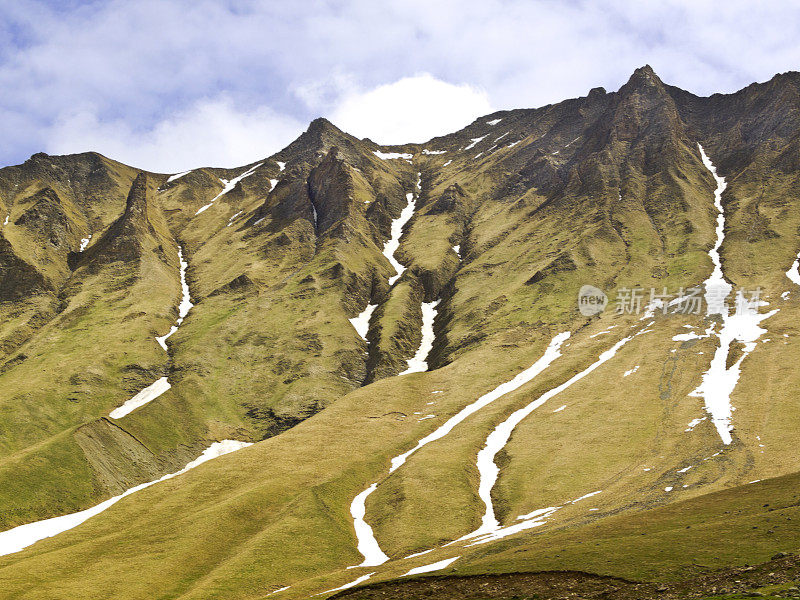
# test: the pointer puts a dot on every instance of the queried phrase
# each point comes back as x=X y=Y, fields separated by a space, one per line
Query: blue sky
x=170 y=85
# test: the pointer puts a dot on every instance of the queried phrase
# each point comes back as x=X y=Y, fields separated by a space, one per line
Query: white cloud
x=412 y=109
x=136 y=67
x=209 y=133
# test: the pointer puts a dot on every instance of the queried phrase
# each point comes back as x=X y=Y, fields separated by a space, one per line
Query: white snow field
x=148 y=394
x=419 y=362
x=497 y=439
x=367 y=544
x=361 y=322
x=720 y=380
x=228 y=186
x=23 y=536
x=391 y=246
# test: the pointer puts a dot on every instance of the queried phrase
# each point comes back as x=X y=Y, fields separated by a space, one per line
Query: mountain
x=386 y=343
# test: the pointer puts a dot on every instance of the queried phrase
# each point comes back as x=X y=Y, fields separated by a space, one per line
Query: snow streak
x=23 y=536
x=228 y=186
x=497 y=440
x=419 y=362
x=391 y=246
x=367 y=544
x=148 y=394
x=185 y=304
x=361 y=322
x=720 y=380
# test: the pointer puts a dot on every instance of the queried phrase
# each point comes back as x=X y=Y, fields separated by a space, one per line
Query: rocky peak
x=645 y=76
x=141 y=225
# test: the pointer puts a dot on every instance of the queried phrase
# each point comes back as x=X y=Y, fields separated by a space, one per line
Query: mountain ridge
x=500 y=224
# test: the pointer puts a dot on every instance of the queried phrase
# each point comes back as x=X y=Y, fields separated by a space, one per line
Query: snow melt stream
x=23 y=536
x=367 y=544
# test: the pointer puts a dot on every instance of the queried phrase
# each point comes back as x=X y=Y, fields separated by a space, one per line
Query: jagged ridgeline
x=396 y=332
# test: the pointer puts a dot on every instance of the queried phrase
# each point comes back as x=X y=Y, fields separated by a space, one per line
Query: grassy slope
x=272 y=516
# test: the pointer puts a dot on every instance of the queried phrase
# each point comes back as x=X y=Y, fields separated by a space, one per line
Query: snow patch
x=392 y=155
x=437 y=566
x=172 y=178
x=148 y=394
x=434 y=152
x=347 y=586
x=283 y=589
x=560 y=408
x=419 y=553
x=493 y=121
x=794 y=271
x=391 y=246
x=694 y=423
x=720 y=380
x=475 y=141
x=419 y=363
x=186 y=301
x=227 y=187
x=367 y=544
x=361 y=322
x=84 y=242
x=631 y=371
x=233 y=218
x=685 y=337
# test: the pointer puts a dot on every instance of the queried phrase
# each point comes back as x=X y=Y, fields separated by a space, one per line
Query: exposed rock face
x=141 y=227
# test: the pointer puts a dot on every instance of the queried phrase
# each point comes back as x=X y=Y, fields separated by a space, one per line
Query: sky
x=169 y=85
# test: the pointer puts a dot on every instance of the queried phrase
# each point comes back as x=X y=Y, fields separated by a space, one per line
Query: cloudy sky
x=170 y=85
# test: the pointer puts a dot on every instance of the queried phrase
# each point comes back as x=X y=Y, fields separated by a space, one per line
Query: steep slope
x=528 y=446
x=95 y=351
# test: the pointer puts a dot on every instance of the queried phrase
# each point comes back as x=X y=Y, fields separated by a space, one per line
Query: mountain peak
x=321 y=124
x=644 y=77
